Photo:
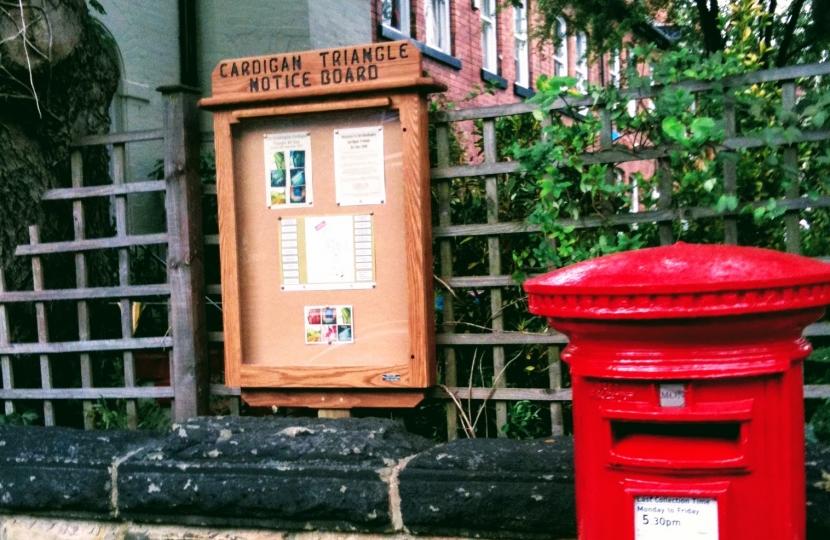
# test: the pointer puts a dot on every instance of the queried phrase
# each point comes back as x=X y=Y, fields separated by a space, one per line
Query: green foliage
x=524 y=421
x=617 y=19
x=577 y=205
x=817 y=367
x=97 y=7
x=789 y=32
x=820 y=423
x=26 y=418
x=817 y=371
x=568 y=189
x=692 y=124
x=112 y=414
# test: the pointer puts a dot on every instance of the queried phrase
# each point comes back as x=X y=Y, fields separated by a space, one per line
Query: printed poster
x=358 y=166
x=327 y=253
x=326 y=325
x=288 y=170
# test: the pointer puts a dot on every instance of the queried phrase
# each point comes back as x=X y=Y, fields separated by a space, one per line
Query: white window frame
x=521 y=51
x=489 y=39
x=635 y=194
x=438 y=25
x=560 y=56
x=387 y=6
x=581 y=61
x=614 y=69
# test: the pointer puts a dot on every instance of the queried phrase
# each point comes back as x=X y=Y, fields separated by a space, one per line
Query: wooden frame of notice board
x=324 y=224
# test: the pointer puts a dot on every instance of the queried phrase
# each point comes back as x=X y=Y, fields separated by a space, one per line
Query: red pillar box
x=687 y=389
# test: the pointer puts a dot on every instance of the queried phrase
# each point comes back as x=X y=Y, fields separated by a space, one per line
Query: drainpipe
x=188 y=73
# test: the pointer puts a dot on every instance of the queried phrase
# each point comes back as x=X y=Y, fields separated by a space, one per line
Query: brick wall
x=465 y=27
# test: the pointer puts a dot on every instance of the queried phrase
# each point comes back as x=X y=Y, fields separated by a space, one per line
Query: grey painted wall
x=258 y=27
x=336 y=23
x=147 y=33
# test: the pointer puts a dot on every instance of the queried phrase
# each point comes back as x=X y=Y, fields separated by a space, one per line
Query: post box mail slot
x=669 y=445
x=687 y=389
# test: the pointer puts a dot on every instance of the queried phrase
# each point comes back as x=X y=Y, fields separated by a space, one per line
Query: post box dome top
x=682 y=280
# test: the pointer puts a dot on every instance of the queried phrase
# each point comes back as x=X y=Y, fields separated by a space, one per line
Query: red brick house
x=469 y=43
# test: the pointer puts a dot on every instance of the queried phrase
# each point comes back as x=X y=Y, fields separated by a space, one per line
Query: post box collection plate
x=678 y=518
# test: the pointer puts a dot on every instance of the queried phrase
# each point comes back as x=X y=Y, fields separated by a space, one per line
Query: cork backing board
x=272 y=321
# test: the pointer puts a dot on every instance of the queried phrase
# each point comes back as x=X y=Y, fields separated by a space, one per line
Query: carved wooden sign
x=348 y=69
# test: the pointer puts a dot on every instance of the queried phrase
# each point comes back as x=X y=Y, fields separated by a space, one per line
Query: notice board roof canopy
x=363 y=68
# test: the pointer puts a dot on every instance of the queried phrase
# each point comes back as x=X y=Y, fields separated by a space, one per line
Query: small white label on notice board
x=675 y=518
x=358 y=166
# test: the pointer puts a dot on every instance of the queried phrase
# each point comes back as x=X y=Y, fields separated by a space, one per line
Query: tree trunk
x=73 y=85
x=712 y=38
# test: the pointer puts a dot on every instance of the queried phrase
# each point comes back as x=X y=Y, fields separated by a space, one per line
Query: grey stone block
x=491 y=487
x=61 y=469
x=277 y=473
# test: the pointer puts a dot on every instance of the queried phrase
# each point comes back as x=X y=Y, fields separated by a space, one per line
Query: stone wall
x=302 y=479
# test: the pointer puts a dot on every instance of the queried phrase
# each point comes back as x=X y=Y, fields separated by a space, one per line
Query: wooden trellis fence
x=451 y=336
x=183 y=291
x=444 y=174
x=186 y=292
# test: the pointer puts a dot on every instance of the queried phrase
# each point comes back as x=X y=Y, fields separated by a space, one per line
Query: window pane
x=520 y=47
x=438 y=24
x=581 y=68
x=520 y=16
x=489 y=44
x=614 y=68
x=560 y=59
x=488 y=8
x=522 y=74
x=395 y=14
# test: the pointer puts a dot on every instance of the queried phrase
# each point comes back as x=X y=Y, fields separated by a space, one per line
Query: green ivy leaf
x=726 y=202
x=701 y=129
x=674 y=129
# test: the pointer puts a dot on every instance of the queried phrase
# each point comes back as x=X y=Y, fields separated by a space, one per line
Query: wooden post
x=442 y=142
x=185 y=257
x=792 y=229
x=82 y=281
x=494 y=260
x=664 y=186
x=118 y=177
x=730 y=168
x=42 y=328
x=5 y=361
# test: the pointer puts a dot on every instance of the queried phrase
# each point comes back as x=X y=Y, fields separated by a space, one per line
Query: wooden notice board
x=325 y=241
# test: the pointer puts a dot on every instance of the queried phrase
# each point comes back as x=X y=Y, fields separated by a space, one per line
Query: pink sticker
x=320 y=225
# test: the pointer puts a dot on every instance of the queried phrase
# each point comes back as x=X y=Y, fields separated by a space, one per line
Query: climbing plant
x=568 y=189
x=557 y=190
